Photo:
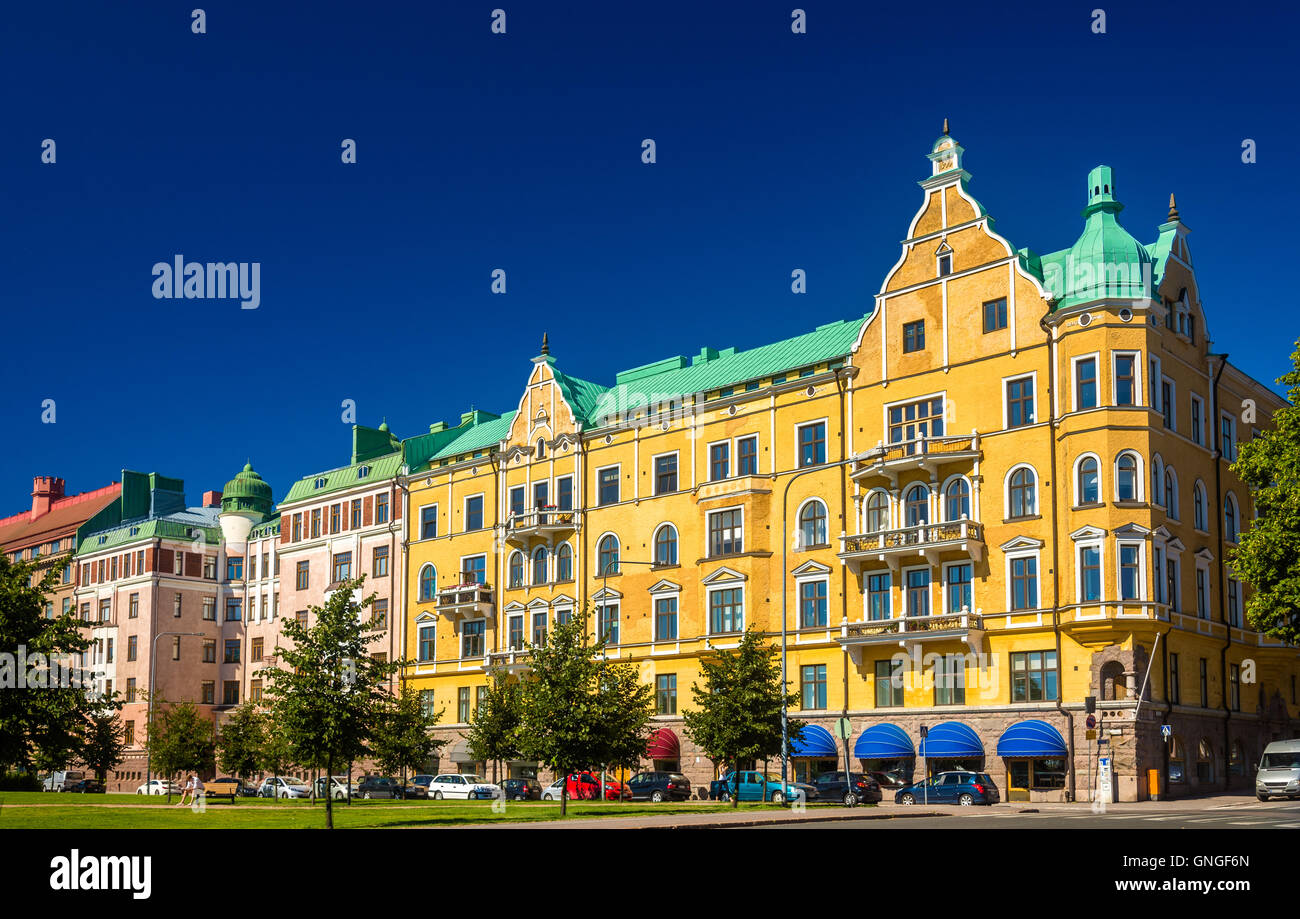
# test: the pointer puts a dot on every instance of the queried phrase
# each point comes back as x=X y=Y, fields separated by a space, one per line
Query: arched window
x=1088 y=486
x=1231 y=519
x=956 y=500
x=1126 y=477
x=539 y=565
x=1171 y=492
x=812 y=524
x=1198 y=506
x=607 y=556
x=1204 y=762
x=517 y=569
x=1177 y=761
x=1020 y=493
x=916 y=506
x=877 y=512
x=1113 y=687
x=428 y=582
x=1157 y=477
x=564 y=563
x=666 y=545
x=541 y=448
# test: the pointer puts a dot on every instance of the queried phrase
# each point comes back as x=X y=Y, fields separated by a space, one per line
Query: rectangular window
x=607 y=485
x=474 y=513
x=425 y=650
x=208 y=692
x=473 y=569
x=1234 y=687
x=342 y=567
x=665 y=619
x=1175 y=691
x=234 y=609
x=879 y=588
x=255 y=690
x=1202 y=594
x=1085 y=383
x=518 y=496
x=336 y=518
x=252 y=567
x=747 y=456
x=813 y=681
x=230 y=692
x=1171 y=583
x=812 y=444
x=666 y=693
x=301 y=575
x=380 y=564
x=1228 y=437
x=133 y=607
x=607 y=622
x=178 y=563
x=950 y=680
x=995 y=315
x=918 y=592
x=302 y=617
x=1130 y=574
x=959 y=588
x=945 y=264
x=176 y=647
x=109 y=659
x=255 y=651
x=232 y=651
x=130 y=734
x=429 y=521
x=812 y=604
x=176 y=606
x=297 y=529
x=889 y=684
x=1205 y=684
x=381 y=508
x=1089 y=574
x=1024 y=582
x=1234 y=603
x=210 y=609
x=726 y=533
x=1198 y=410
x=665 y=474
x=356 y=513
x=462 y=705
x=1167 y=403
x=315 y=523
x=1020 y=402
x=564 y=493
x=914 y=336
x=539 y=629
x=1125 y=380
x=1033 y=676
x=915 y=421
x=726 y=610
x=471 y=638
x=719 y=461
x=515 y=633
x=379 y=614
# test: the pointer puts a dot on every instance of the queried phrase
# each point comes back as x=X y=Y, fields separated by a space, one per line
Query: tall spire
x=945 y=127
x=1173 y=208
x=546 y=345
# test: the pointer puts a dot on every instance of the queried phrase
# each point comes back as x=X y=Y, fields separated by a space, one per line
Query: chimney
x=46 y=489
x=212 y=499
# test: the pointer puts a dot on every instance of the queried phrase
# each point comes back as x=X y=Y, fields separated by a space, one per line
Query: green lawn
x=38 y=810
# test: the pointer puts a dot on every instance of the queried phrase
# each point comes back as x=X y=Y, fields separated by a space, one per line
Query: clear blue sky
x=479 y=151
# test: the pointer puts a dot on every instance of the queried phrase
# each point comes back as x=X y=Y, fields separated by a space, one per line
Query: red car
x=583 y=786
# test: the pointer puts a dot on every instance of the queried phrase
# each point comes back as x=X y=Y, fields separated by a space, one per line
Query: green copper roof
x=333 y=480
x=473 y=437
x=712 y=369
x=247 y=492
x=266 y=528
x=178 y=527
x=581 y=395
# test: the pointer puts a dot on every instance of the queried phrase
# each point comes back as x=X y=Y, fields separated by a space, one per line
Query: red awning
x=663 y=744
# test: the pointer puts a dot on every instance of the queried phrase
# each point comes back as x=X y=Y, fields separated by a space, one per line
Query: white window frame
x=464 y=512
x=1139 y=394
x=1199 y=486
x=572 y=490
x=708 y=459
x=1074 y=480
x=1153 y=369
x=1006 y=381
x=654 y=473
x=1203 y=570
x=1173 y=401
x=735 y=453
x=1218 y=435
x=929 y=588
x=461 y=650
x=1098 y=543
x=598 y=570
x=1036 y=554
x=744 y=539
x=1095 y=357
x=867 y=574
x=460 y=572
x=419 y=522
x=1006 y=491
x=1196 y=404
x=799 y=426
x=1157 y=481
x=798 y=520
x=1140 y=545
x=1236 y=516
x=944 y=586
x=943 y=498
x=1140 y=484
x=709 y=591
x=1169 y=485
x=618 y=467
x=799 y=581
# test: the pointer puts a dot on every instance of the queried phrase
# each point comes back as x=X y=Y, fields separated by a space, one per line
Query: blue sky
x=522 y=151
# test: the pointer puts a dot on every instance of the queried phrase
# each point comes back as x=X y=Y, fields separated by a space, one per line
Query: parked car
x=462 y=785
x=583 y=786
x=55 y=781
x=963 y=788
x=659 y=786
x=418 y=786
x=278 y=786
x=380 y=786
x=521 y=789
x=890 y=778
x=860 y=789
x=758 y=786
x=158 y=787
x=84 y=786
x=338 y=787
x=1279 y=770
x=553 y=791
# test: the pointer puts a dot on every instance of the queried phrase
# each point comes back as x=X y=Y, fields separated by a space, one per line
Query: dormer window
x=363 y=472
x=320 y=483
x=945 y=264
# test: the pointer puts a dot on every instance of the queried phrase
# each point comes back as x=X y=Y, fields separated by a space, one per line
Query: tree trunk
x=329 y=792
x=564 y=795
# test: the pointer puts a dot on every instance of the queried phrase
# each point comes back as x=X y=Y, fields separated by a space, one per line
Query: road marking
x=1288 y=826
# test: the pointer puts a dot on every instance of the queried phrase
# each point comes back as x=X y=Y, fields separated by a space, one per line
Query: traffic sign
x=1166 y=731
x=843 y=728
x=924 y=731
x=1090 y=734
x=1102 y=740
x=1090 y=721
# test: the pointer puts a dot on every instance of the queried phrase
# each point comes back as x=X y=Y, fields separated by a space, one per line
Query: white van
x=1279 y=770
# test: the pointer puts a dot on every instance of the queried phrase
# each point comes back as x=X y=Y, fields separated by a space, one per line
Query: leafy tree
x=180 y=739
x=104 y=744
x=493 y=733
x=41 y=722
x=401 y=738
x=241 y=741
x=276 y=754
x=330 y=694
x=1268 y=553
x=626 y=705
x=737 y=718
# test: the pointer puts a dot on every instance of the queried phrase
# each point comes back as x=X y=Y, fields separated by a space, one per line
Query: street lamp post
x=153 y=669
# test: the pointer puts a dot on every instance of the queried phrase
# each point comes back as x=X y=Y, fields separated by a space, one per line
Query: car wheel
x=907 y=799
x=850 y=799
x=547 y=797
x=778 y=798
x=367 y=796
x=437 y=796
x=1262 y=797
x=657 y=796
x=966 y=800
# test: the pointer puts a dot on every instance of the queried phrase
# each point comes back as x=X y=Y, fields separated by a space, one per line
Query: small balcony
x=965 y=627
x=546 y=523
x=513 y=661
x=889 y=461
x=926 y=539
x=466 y=601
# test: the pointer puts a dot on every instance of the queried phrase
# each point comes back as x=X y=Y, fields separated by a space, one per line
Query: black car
x=522 y=789
x=860 y=789
x=85 y=786
x=380 y=786
x=659 y=786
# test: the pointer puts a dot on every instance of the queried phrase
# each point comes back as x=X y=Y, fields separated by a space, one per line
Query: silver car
x=1279 y=770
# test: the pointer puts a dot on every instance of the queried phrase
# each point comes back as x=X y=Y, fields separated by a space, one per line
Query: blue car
x=950 y=788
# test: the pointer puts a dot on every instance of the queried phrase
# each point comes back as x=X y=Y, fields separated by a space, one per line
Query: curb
x=716 y=825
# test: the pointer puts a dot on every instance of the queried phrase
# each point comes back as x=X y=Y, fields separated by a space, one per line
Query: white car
x=463 y=785
x=553 y=791
x=158 y=787
x=284 y=787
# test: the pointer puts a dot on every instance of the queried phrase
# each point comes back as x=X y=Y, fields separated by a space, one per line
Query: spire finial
x=1173 y=208
x=945 y=126
x=546 y=345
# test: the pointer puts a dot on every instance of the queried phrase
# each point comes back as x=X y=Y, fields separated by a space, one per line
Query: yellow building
x=998 y=494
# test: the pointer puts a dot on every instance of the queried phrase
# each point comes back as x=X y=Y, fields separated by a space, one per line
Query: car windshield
x=770 y=777
x=984 y=778
x=1281 y=760
x=474 y=779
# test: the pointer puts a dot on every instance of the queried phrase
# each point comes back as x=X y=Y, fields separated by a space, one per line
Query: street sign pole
x=925 y=780
x=844 y=728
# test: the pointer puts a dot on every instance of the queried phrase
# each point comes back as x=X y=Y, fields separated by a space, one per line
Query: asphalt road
x=1283 y=815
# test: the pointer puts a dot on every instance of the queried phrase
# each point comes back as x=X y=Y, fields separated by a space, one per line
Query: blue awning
x=816 y=741
x=1031 y=738
x=951 y=739
x=883 y=741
